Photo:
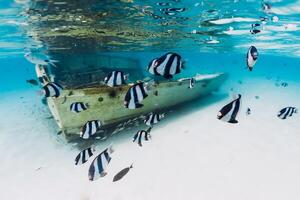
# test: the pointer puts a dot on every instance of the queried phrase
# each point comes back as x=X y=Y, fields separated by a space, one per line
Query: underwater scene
x=149 y=100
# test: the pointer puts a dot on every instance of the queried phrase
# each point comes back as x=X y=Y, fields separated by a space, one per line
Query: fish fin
x=126 y=76
x=110 y=148
x=162 y=115
x=103 y=174
x=233 y=121
x=138 y=105
x=87 y=105
x=168 y=76
x=131 y=166
x=40 y=92
x=150 y=85
x=93 y=147
x=149 y=129
x=54 y=60
x=51 y=63
x=183 y=64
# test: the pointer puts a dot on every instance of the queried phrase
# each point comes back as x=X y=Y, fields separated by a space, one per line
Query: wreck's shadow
x=126 y=133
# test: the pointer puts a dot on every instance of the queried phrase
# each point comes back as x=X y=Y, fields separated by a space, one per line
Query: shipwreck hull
x=107 y=104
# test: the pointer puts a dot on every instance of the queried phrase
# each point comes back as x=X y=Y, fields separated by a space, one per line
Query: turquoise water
x=211 y=35
x=89 y=37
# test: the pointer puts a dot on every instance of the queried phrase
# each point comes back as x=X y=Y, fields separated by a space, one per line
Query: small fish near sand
x=115 y=78
x=229 y=112
x=122 y=173
x=90 y=128
x=84 y=155
x=248 y=112
x=78 y=107
x=167 y=65
x=287 y=112
x=153 y=118
x=284 y=84
x=32 y=82
x=52 y=89
x=135 y=95
x=99 y=164
x=252 y=56
x=142 y=135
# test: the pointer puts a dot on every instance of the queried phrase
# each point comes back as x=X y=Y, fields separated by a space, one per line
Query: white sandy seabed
x=192 y=155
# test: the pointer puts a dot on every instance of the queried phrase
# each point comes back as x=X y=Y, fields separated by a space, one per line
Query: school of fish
x=167 y=65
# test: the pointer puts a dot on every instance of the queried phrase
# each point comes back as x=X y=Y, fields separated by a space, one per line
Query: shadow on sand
x=127 y=132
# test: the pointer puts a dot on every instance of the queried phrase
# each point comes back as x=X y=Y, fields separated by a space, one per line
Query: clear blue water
x=257 y=158
x=72 y=28
x=211 y=36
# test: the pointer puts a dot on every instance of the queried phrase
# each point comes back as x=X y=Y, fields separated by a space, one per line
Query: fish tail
x=150 y=85
x=53 y=60
x=149 y=129
x=126 y=76
x=131 y=166
x=182 y=64
x=110 y=148
x=51 y=63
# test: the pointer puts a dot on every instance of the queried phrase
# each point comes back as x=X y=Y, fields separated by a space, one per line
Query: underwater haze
x=140 y=99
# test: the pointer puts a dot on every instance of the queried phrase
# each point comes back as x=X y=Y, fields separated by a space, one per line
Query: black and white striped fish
x=41 y=74
x=252 y=56
x=135 y=95
x=166 y=65
x=84 y=155
x=142 y=135
x=287 y=112
x=254 y=31
x=52 y=89
x=255 y=25
x=78 y=107
x=229 y=112
x=265 y=6
x=99 y=164
x=254 y=28
x=115 y=78
x=89 y=129
x=264 y=20
x=153 y=118
x=192 y=83
x=284 y=84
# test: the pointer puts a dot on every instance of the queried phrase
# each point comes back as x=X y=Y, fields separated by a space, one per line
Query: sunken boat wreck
x=106 y=104
x=86 y=39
